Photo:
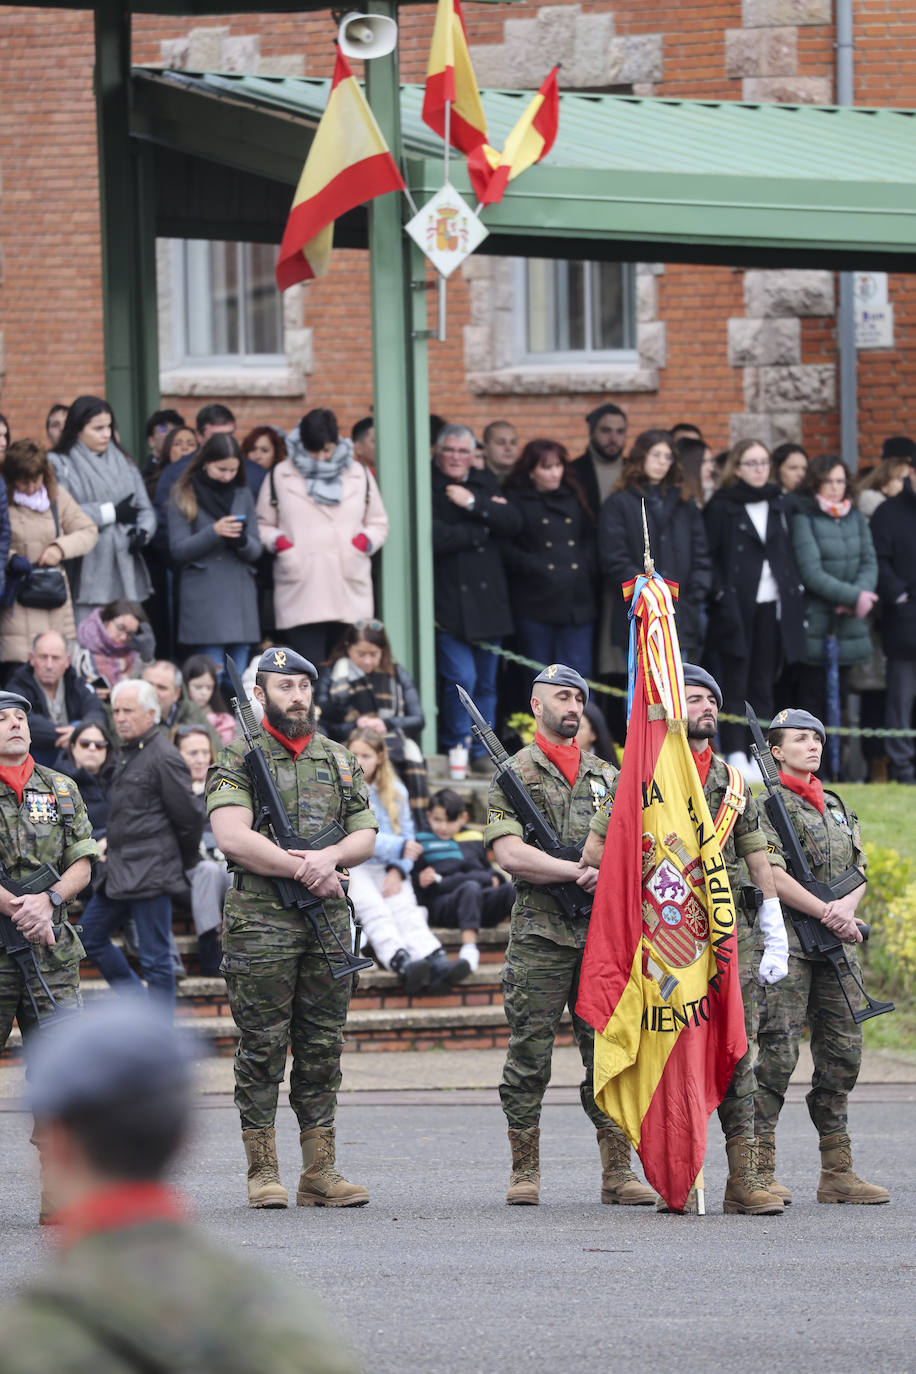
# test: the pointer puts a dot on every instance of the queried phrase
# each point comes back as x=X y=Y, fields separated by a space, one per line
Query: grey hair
x=164 y=663
x=146 y=694
x=454 y=432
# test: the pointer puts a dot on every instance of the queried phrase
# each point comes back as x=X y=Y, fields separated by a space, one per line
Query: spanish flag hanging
x=660 y=981
x=450 y=82
x=531 y=139
x=348 y=163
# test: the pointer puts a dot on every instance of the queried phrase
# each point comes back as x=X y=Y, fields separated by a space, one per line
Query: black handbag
x=45 y=589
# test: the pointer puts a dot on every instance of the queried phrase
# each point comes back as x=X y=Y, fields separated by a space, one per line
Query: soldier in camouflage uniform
x=748 y=868
x=541 y=976
x=42 y=821
x=134 y=1288
x=280 y=988
x=810 y=995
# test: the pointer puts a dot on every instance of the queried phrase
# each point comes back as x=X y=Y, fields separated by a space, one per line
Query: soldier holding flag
x=572 y=790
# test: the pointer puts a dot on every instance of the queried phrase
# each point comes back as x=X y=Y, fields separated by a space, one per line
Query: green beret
x=287 y=661
x=794 y=718
x=558 y=675
x=695 y=676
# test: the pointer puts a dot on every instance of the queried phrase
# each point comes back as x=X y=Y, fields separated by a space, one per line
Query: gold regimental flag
x=348 y=164
x=530 y=140
x=660 y=981
x=450 y=81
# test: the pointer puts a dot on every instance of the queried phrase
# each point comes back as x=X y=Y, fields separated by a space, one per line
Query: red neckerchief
x=17 y=777
x=811 y=789
x=118 y=1206
x=704 y=763
x=563 y=756
x=295 y=746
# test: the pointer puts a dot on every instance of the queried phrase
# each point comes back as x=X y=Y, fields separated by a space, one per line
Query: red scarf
x=704 y=763
x=17 y=777
x=810 y=789
x=563 y=756
x=295 y=746
x=117 y=1206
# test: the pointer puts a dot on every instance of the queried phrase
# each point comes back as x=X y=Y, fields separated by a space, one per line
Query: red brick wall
x=50 y=306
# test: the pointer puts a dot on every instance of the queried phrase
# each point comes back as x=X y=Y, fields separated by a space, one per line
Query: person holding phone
x=213 y=540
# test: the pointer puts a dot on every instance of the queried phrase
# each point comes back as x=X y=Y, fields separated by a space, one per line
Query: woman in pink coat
x=320 y=512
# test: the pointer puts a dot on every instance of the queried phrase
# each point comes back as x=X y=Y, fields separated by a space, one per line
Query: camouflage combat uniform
x=810 y=995
x=736 y=1110
x=154 y=1297
x=544 y=955
x=49 y=826
x=281 y=991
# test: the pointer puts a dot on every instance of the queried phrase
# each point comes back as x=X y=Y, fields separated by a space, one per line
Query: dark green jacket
x=836 y=559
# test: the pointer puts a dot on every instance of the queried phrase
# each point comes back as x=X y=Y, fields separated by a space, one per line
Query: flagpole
x=700 y=1186
x=440 y=304
x=448 y=136
x=648 y=563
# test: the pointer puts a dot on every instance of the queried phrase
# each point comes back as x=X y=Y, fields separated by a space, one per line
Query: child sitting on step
x=455 y=879
x=380 y=890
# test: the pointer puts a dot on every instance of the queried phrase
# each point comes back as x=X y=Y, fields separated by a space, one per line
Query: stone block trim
x=771 y=430
x=788 y=90
x=761 y=52
x=216 y=49
x=776 y=13
x=752 y=343
x=593 y=56
x=788 y=292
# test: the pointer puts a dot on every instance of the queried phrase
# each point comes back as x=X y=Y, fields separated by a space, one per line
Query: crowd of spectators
x=125 y=586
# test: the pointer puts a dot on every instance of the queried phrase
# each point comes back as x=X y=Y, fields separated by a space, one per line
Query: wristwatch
x=57 y=900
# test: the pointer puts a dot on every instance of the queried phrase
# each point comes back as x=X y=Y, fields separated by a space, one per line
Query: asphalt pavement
x=437 y=1274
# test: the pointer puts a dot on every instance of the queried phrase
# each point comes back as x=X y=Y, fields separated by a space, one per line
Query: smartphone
x=240 y=516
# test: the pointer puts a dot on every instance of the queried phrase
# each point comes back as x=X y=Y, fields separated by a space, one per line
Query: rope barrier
x=850 y=731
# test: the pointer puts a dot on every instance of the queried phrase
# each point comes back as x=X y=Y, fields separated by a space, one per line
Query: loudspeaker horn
x=364 y=36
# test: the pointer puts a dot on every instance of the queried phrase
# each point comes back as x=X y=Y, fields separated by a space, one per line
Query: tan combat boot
x=618 y=1182
x=320 y=1185
x=766 y=1166
x=264 y=1186
x=47 y=1208
x=745 y=1194
x=525 y=1178
x=838 y=1183
x=690 y=1207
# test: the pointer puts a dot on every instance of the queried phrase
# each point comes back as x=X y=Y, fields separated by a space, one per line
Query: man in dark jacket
x=893 y=529
x=59 y=697
x=599 y=467
x=154 y=827
x=472 y=600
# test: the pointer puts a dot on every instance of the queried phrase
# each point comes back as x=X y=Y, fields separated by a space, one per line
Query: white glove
x=775 y=962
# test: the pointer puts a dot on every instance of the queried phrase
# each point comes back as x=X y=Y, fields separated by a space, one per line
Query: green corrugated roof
x=636 y=133
x=811 y=179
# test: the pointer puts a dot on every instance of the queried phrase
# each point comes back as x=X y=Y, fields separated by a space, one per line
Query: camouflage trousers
x=60 y=968
x=539 y=980
x=811 y=996
x=282 y=995
x=736 y=1110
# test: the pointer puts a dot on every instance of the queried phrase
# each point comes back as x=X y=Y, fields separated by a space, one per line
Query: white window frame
x=557 y=358
x=184 y=289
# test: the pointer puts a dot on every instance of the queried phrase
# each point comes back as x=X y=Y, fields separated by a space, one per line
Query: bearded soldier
x=281 y=990
x=572 y=791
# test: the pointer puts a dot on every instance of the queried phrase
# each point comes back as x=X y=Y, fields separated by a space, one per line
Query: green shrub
x=889 y=907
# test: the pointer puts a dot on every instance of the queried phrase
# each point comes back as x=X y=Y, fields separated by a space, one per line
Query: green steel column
x=406 y=560
x=128 y=235
x=422 y=494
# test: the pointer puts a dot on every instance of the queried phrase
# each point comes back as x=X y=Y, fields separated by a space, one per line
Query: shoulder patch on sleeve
x=494 y=815
x=226 y=785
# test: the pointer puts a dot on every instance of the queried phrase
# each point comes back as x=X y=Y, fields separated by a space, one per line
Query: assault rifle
x=574 y=901
x=17 y=945
x=341 y=961
x=816 y=940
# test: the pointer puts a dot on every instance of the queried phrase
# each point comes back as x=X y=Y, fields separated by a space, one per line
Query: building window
x=228 y=308
x=585 y=309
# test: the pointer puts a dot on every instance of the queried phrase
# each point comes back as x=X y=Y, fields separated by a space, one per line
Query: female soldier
x=810 y=994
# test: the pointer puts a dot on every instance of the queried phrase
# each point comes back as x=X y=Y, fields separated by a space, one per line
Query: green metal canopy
x=628 y=177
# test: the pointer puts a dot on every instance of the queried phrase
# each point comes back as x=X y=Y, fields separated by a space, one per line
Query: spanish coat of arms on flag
x=660 y=981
